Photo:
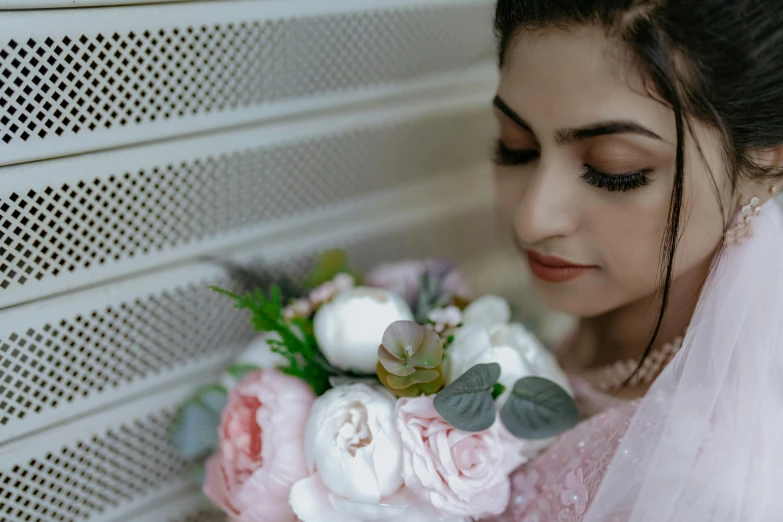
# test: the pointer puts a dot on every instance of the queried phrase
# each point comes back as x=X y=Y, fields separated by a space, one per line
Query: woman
x=641 y=142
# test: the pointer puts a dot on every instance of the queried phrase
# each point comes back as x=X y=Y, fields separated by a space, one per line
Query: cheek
x=632 y=238
x=702 y=231
x=630 y=231
x=708 y=193
x=510 y=188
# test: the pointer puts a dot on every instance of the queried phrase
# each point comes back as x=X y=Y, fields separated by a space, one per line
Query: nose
x=549 y=207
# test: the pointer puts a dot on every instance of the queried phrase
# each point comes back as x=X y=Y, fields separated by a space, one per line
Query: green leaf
x=467 y=403
x=193 y=431
x=330 y=263
x=537 y=408
x=296 y=342
x=238 y=371
x=213 y=396
x=225 y=292
x=497 y=390
x=417 y=377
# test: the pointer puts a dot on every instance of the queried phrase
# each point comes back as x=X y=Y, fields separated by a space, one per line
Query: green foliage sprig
x=296 y=341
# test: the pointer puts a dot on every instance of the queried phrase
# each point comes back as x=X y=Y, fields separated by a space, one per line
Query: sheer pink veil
x=706 y=444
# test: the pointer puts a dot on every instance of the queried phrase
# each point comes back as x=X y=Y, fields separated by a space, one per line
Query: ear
x=766 y=188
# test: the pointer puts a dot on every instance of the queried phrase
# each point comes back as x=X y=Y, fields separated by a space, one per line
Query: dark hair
x=716 y=61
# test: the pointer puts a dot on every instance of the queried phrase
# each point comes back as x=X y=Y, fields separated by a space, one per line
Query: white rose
x=257 y=353
x=542 y=361
x=354 y=451
x=349 y=329
x=472 y=345
x=486 y=337
x=487 y=311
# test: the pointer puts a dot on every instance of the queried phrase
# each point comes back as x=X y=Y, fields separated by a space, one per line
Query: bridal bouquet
x=392 y=397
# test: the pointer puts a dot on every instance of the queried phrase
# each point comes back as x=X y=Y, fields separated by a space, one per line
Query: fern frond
x=296 y=342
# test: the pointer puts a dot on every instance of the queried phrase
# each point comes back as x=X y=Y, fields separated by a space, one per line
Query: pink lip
x=553 y=269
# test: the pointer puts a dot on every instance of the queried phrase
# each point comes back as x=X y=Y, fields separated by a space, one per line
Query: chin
x=571 y=299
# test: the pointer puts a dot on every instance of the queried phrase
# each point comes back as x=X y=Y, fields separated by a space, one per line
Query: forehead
x=572 y=78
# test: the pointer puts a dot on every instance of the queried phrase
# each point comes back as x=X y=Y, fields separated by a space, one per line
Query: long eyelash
x=615 y=183
x=505 y=156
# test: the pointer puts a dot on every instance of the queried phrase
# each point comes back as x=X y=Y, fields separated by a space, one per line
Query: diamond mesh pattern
x=76 y=84
x=378 y=47
x=82 y=83
x=53 y=363
x=92 y=476
x=80 y=223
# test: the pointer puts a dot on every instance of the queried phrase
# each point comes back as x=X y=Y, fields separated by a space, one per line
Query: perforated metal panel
x=59 y=365
x=94 y=474
x=86 y=79
x=96 y=467
x=75 y=221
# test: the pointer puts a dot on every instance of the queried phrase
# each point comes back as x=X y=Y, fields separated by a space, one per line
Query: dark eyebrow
x=565 y=136
x=516 y=118
x=604 y=128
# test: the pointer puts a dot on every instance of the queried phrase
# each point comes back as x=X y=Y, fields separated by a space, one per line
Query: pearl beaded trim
x=743 y=229
x=614 y=376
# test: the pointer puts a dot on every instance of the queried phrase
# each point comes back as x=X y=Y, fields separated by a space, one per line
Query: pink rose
x=461 y=474
x=261 y=447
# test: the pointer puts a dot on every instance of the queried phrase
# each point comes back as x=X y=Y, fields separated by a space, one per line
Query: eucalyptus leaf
x=213 y=397
x=193 y=432
x=467 y=403
x=537 y=408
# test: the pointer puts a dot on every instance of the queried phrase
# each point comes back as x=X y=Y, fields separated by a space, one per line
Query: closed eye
x=616 y=182
x=507 y=156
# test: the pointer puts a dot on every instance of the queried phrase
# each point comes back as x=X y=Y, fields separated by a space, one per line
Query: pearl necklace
x=614 y=376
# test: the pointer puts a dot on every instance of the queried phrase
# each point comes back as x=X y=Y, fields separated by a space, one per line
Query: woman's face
x=584 y=174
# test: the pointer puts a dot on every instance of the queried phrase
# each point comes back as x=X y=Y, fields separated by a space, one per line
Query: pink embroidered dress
x=558 y=484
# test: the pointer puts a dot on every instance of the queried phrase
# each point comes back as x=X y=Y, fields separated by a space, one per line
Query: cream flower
x=350 y=327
